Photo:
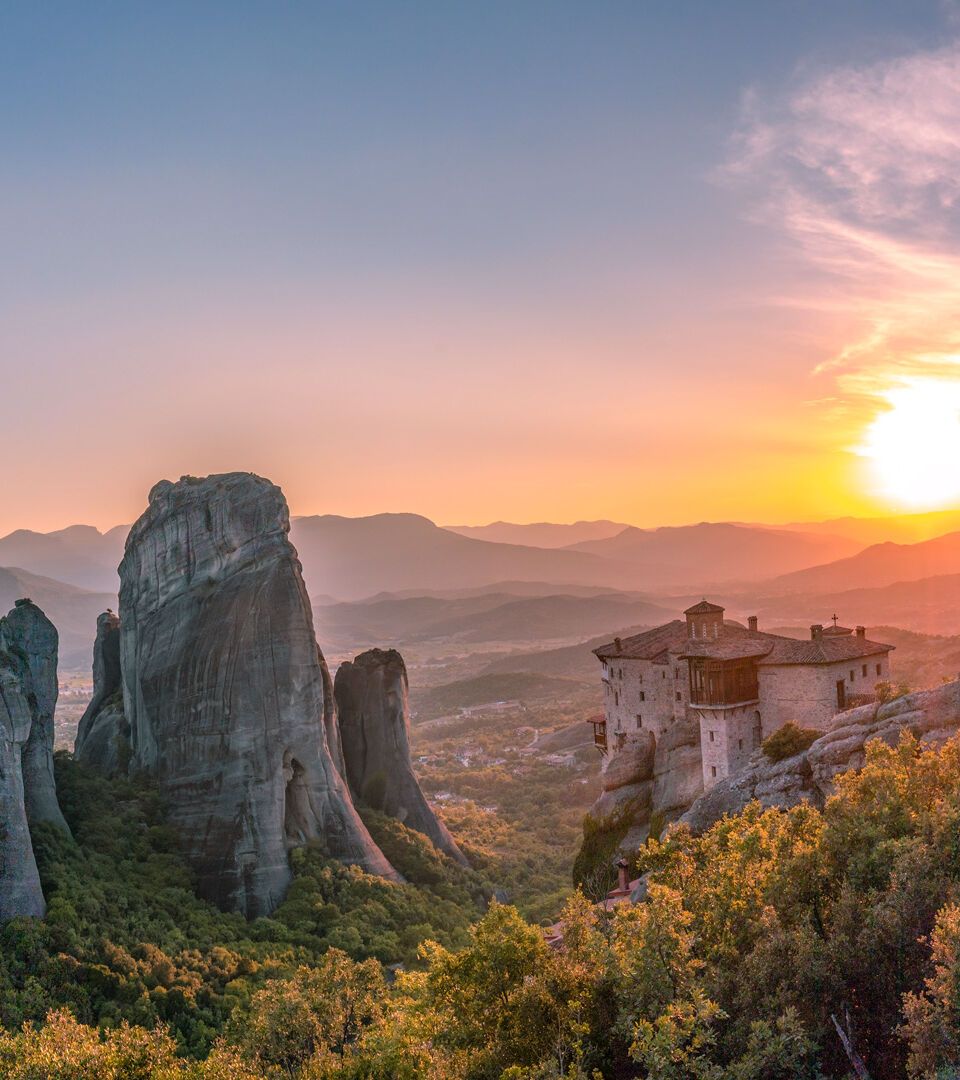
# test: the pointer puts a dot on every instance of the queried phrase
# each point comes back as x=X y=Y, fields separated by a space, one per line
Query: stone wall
x=642 y=688
x=807 y=695
x=727 y=739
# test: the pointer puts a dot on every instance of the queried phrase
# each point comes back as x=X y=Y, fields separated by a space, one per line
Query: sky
x=655 y=262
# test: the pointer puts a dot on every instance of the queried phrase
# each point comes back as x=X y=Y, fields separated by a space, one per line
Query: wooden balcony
x=599 y=732
x=718 y=683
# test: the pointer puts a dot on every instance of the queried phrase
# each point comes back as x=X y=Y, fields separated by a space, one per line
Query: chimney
x=617 y=644
x=861 y=632
x=623 y=880
x=816 y=632
x=752 y=623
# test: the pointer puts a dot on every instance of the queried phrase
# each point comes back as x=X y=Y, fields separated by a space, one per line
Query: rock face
x=33 y=638
x=371 y=693
x=648 y=779
x=226 y=692
x=932 y=715
x=103 y=736
x=28 y=696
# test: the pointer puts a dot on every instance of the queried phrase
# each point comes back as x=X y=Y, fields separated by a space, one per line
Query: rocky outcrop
x=103 y=736
x=226 y=692
x=33 y=639
x=371 y=693
x=28 y=697
x=648 y=780
x=933 y=716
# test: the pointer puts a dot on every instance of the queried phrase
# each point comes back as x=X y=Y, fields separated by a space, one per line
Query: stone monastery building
x=739 y=682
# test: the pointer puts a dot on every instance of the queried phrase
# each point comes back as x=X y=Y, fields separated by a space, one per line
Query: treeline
x=798 y=944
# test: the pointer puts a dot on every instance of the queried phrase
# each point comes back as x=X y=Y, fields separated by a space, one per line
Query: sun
x=914 y=445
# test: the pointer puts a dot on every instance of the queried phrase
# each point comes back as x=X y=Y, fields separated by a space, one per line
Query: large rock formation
x=932 y=715
x=371 y=693
x=648 y=781
x=226 y=692
x=28 y=697
x=103 y=736
x=32 y=638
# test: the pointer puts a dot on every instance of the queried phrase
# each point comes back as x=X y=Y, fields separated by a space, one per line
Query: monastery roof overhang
x=648 y=645
x=834 y=649
x=738 y=643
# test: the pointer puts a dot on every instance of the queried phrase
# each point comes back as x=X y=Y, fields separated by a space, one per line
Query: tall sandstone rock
x=371 y=693
x=103 y=735
x=28 y=696
x=226 y=692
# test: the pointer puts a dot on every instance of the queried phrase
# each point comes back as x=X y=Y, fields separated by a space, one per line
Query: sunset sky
x=658 y=262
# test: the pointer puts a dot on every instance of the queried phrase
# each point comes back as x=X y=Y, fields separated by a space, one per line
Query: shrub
x=888 y=691
x=789 y=740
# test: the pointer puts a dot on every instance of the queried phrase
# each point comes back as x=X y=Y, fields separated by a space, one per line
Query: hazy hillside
x=351 y=558
x=903 y=529
x=488 y=617
x=697 y=554
x=72 y=610
x=931 y=605
x=544 y=534
x=80 y=555
x=881 y=564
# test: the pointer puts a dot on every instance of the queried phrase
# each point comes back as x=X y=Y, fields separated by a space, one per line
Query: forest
x=793 y=944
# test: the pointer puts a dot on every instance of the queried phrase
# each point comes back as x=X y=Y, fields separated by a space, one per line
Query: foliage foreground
x=762 y=947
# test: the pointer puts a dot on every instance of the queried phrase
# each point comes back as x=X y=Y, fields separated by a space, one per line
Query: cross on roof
x=836 y=619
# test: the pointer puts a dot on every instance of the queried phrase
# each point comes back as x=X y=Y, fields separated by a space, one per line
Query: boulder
x=371 y=693
x=103 y=735
x=632 y=763
x=677 y=769
x=226 y=692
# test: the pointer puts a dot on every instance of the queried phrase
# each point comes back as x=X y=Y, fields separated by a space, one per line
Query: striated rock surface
x=226 y=692
x=33 y=639
x=28 y=695
x=371 y=695
x=933 y=716
x=648 y=779
x=103 y=736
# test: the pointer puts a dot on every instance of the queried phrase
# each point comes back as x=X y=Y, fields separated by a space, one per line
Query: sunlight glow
x=914 y=446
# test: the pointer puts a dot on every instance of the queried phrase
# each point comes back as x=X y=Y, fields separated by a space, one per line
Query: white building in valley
x=740 y=683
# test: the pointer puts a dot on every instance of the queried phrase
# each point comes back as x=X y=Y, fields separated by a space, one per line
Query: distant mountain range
x=490 y=617
x=708 y=553
x=881 y=564
x=399 y=577
x=80 y=555
x=544 y=534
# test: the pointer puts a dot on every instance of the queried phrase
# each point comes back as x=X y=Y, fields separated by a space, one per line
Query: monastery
x=740 y=683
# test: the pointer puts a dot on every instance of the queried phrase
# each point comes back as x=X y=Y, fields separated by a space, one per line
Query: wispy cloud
x=861 y=167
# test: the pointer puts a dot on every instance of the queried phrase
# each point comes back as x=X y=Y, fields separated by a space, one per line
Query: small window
x=643 y=695
x=853 y=675
x=663 y=674
x=640 y=677
x=713 y=770
x=616 y=697
x=711 y=736
x=739 y=744
x=864 y=670
x=878 y=669
x=676 y=673
x=679 y=696
x=639 y=721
